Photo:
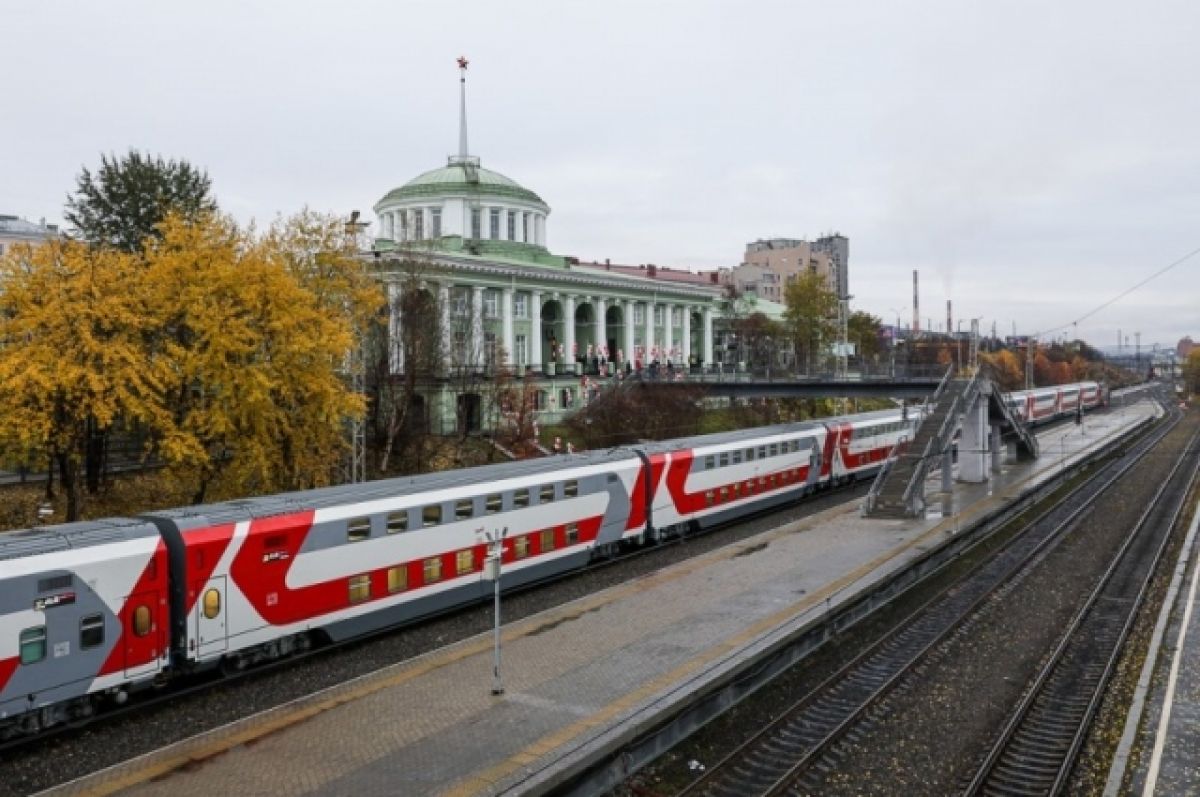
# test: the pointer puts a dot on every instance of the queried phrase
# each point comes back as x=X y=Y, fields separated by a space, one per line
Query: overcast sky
x=1032 y=159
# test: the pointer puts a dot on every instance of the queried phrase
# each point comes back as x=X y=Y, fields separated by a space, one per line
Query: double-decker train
x=93 y=611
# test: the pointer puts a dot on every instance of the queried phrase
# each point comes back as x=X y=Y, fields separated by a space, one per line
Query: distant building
x=770 y=265
x=1184 y=347
x=15 y=230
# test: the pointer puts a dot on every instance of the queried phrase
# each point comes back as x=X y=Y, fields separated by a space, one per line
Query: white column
x=477 y=325
x=708 y=337
x=668 y=334
x=535 y=310
x=395 y=341
x=687 y=336
x=649 y=342
x=506 y=316
x=426 y=222
x=540 y=227
x=629 y=339
x=601 y=325
x=444 y=307
x=569 y=332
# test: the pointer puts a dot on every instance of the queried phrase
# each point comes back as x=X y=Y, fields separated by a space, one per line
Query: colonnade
x=653 y=346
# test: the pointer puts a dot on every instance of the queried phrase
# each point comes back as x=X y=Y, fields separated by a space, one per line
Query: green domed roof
x=462 y=178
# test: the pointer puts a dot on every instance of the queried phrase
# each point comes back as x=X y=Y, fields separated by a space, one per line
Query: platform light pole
x=491 y=571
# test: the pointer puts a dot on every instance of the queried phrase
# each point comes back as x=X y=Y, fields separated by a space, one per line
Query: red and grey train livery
x=92 y=611
x=1048 y=403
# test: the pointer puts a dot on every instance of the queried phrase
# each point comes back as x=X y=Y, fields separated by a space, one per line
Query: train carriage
x=256 y=578
x=83 y=612
x=701 y=481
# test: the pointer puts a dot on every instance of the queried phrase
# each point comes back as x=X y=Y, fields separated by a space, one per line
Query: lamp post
x=491 y=571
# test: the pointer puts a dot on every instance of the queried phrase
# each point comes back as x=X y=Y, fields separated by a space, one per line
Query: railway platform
x=584 y=679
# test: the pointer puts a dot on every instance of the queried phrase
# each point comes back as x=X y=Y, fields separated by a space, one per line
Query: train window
x=495 y=503
x=274 y=541
x=762 y=481
x=749 y=454
x=521 y=497
x=431 y=515
x=710 y=463
x=521 y=547
x=708 y=497
x=397 y=579
x=737 y=457
x=212 y=604
x=33 y=644
x=358 y=529
x=464 y=509
x=762 y=452
x=724 y=493
x=737 y=489
x=464 y=562
x=91 y=631
x=141 y=620
x=360 y=588
x=724 y=459
x=397 y=522
x=572 y=533
x=432 y=569
x=571 y=489
x=774 y=449
x=547 y=541
x=546 y=494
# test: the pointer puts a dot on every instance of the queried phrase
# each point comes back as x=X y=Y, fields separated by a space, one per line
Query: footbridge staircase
x=971 y=405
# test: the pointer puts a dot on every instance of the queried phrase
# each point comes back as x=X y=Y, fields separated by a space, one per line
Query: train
x=94 y=612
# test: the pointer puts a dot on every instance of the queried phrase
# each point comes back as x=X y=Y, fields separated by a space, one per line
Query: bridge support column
x=947 y=471
x=973 y=445
x=997 y=450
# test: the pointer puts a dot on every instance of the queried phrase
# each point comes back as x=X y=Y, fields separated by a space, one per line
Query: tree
x=1191 y=371
x=863 y=330
x=810 y=316
x=758 y=338
x=125 y=201
x=257 y=398
x=73 y=326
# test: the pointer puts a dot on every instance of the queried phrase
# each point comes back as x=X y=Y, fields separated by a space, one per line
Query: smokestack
x=949 y=319
x=916 y=303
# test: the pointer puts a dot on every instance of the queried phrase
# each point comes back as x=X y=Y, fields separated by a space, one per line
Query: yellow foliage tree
x=73 y=323
x=257 y=398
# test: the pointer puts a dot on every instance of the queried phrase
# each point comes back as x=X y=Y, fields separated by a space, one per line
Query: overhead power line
x=1119 y=296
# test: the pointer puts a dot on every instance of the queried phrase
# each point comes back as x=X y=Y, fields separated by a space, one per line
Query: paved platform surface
x=576 y=675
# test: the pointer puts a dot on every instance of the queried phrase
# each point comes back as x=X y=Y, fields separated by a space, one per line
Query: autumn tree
x=257 y=399
x=1191 y=371
x=810 y=317
x=758 y=337
x=123 y=203
x=73 y=325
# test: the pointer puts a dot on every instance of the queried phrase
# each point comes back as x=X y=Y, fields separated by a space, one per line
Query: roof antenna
x=463 y=152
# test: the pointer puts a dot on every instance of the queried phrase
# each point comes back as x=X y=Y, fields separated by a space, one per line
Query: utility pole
x=491 y=571
x=1030 y=348
x=356 y=462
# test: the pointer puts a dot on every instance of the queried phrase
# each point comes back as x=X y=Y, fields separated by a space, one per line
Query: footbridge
x=970 y=409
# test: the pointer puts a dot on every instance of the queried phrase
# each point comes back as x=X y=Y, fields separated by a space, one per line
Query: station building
x=475 y=293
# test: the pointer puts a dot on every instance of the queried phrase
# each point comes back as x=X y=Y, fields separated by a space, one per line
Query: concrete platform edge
x=600 y=763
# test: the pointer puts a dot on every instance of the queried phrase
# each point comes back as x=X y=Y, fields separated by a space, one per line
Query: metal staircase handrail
x=941 y=437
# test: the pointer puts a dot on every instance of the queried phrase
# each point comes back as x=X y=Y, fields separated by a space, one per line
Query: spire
x=463 y=151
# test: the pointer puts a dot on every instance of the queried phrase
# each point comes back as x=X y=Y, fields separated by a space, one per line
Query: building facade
x=475 y=295
x=770 y=265
x=14 y=230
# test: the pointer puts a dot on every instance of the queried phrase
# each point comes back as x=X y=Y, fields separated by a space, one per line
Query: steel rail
x=1088 y=629
x=785 y=736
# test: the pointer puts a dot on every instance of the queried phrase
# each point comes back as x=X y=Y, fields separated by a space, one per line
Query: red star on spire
x=462 y=62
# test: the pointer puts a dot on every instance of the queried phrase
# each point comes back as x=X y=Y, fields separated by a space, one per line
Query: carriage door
x=145 y=633
x=212 y=632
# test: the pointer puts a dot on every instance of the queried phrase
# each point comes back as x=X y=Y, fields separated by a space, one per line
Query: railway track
x=1037 y=748
x=799 y=742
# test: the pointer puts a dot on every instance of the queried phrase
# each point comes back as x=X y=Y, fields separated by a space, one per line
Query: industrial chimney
x=949 y=319
x=916 y=303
